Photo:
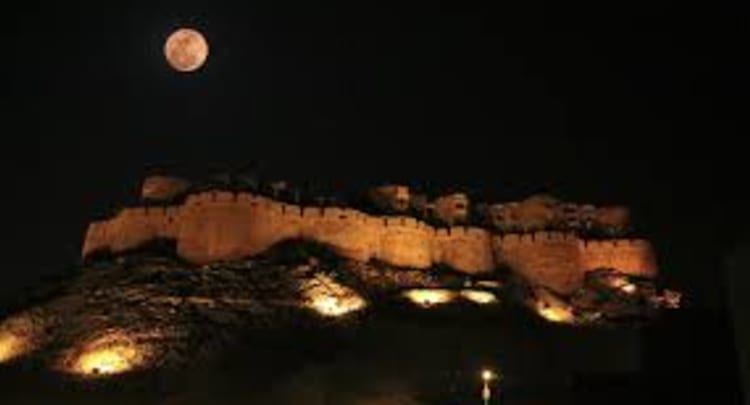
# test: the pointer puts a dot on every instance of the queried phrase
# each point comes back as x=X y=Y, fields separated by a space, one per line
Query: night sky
x=640 y=104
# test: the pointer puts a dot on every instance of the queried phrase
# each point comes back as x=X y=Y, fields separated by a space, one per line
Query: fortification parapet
x=96 y=239
x=630 y=256
x=223 y=225
x=542 y=258
x=405 y=243
x=467 y=249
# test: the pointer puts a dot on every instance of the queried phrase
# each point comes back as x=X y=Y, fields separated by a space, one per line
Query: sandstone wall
x=634 y=257
x=216 y=226
x=224 y=226
x=561 y=260
x=96 y=238
x=468 y=249
x=350 y=233
x=551 y=259
x=131 y=228
x=406 y=242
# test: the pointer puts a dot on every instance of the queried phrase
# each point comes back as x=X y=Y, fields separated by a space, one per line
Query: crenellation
x=197 y=199
x=223 y=225
x=312 y=212
x=545 y=236
x=630 y=256
x=476 y=233
x=243 y=197
x=371 y=222
x=510 y=238
x=276 y=209
x=133 y=212
x=392 y=222
x=293 y=211
x=457 y=231
x=331 y=212
x=409 y=222
x=224 y=196
x=351 y=214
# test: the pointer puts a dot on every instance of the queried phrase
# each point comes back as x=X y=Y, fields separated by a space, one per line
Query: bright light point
x=329 y=298
x=479 y=297
x=430 y=297
x=487 y=375
x=114 y=353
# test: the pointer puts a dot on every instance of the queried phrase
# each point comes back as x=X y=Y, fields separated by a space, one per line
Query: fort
x=538 y=238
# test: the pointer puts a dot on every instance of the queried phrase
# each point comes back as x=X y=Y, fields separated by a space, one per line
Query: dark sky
x=641 y=103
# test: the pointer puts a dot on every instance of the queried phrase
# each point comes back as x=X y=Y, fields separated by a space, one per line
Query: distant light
x=430 y=297
x=487 y=375
x=479 y=296
x=329 y=298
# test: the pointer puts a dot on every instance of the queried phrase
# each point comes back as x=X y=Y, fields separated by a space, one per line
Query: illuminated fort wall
x=216 y=226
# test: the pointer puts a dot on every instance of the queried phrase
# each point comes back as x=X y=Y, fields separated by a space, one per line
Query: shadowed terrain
x=248 y=332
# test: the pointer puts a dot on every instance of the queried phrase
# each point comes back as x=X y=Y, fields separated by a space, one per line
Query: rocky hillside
x=146 y=312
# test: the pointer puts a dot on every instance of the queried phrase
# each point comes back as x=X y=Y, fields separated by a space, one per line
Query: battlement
x=559 y=260
x=535 y=237
x=224 y=225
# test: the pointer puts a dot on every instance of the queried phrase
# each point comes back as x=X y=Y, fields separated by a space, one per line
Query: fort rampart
x=214 y=226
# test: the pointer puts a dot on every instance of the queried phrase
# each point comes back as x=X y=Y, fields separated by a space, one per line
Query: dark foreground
x=404 y=358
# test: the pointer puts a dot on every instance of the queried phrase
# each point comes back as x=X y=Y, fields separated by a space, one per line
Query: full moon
x=186 y=50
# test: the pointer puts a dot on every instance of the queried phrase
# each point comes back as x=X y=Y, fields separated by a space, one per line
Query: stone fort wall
x=215 y=226
x=560 y=260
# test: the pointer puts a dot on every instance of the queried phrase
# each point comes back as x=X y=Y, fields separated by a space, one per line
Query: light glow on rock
x=619 y=282
x=11 y=346
x=479 y=296
x=629 y=288
x=427 y=298
x=331 y=299
x=112 y=360
x=18 y=336
x=557 y=314
x=551 y=307
x=113 y=353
